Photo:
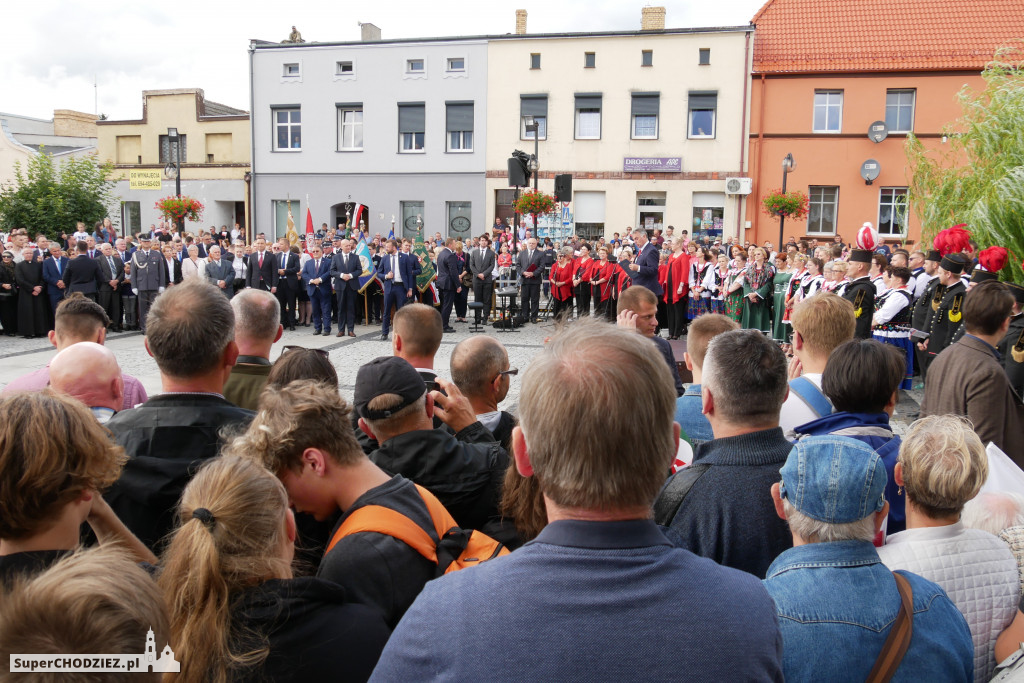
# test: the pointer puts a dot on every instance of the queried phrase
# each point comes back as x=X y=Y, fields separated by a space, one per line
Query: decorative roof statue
x=294 y=37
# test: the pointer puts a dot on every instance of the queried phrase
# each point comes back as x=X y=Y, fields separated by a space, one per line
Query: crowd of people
x=264 y=528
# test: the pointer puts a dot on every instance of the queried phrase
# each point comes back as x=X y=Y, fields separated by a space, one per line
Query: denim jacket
x=836 y=603
x=690 y=416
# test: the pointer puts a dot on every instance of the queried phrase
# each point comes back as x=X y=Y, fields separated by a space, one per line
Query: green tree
x=978 y=176
x=49 y=197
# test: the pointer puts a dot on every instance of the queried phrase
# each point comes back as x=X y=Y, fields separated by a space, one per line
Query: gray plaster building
x=396 y=126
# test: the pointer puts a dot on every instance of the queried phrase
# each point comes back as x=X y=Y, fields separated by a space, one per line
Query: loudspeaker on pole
x=563 y=187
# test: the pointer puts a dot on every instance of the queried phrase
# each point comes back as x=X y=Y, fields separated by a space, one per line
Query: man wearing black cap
x=927 y=297
x=861 y=292
x=396 y=409
x=1012 y=345
x=947 y=316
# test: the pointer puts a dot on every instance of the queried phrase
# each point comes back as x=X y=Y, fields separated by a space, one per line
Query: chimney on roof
x=652 y=19
x=520 y=22
x=369 y=32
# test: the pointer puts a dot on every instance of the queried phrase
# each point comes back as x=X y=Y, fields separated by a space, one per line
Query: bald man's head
x=89 y=372
x=476 y=366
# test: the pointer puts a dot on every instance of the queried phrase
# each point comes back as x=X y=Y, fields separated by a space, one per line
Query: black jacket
x=313 y=632
x=166 y=438
x=466 y=477
x=82 y=274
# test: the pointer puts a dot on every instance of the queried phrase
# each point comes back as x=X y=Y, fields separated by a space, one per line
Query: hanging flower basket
x=180 y=209
x=789 y=204
x=535 y=202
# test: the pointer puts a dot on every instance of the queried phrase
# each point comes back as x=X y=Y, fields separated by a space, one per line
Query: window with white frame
x=535 y=106
x=456 y=64
x=703 y=108
x=892 y=211
x=822 y=210
x=350 y=127
x=411 y=127
x=414 y=66
x=899 y=110
x=645 y=115
x=287 y=129
x=292 y=70
x=828 y=111
x=345 y=68
x=459 y=126
x=588 y=116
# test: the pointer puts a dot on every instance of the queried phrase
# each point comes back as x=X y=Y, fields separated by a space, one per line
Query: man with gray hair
x=837 y=603
x=190 y=333
x=587 y=598
x=220 y=273
x=743 y=387
x=480 y=369
x=257 y=327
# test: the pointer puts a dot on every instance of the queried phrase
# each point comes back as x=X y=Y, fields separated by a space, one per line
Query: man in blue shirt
x=600 y=594
x=836 y=601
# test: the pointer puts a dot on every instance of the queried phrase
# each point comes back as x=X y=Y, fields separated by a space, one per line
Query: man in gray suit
x=220 y=273
x=481 y=266
x=149 y=276
x=112 y=275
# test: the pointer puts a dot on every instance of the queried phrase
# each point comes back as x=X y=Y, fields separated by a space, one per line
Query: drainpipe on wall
x=250 y=229
x=760 y=149
x=744 y=135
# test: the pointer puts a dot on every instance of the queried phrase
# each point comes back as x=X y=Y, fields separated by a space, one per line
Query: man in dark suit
x=82 y=274
x=448 y=283
x=345 y=269
x=531 y=266
x=481 y=266
x=262 y=273
x=220 y=273
x=111 y=277
x=53 y=272
x=316 y=275
x=645 y=265
x=288 y=265
x=396 y=272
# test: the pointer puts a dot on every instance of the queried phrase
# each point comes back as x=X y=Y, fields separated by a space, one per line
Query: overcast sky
x=54 y=52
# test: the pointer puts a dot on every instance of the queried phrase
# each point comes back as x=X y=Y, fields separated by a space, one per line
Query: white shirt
x=879 y=284
x=921 y=284
x=892 y=303
x=794 y=411
x=395 y=267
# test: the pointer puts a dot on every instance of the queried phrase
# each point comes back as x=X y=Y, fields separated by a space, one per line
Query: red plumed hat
x=953 y=240
x=993 y=259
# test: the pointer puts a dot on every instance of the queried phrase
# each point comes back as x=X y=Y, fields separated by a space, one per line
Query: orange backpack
x=454 y=549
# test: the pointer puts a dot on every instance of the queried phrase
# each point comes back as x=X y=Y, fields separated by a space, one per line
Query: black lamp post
x=172 y=136
x=788 y=164
x=532 y=126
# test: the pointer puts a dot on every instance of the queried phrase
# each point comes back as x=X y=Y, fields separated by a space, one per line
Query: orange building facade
x=825 y=71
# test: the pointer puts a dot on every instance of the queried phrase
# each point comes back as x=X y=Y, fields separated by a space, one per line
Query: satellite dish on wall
x=878 y=131
x=869 y=170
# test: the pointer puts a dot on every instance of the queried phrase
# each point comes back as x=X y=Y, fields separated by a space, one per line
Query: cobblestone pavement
x=18 y=356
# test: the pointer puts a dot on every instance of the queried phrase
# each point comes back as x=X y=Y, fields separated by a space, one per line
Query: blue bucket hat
x=834 y=479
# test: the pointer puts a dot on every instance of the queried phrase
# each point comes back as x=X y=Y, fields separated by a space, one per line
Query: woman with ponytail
x=236 y=612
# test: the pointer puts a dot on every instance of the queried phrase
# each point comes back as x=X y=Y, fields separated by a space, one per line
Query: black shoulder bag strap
x=671 y=497
x=899 y=636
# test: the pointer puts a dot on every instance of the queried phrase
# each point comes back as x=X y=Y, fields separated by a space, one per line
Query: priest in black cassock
x=32 y=304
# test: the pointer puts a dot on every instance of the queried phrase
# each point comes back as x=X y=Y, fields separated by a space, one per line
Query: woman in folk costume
x=622 y=280
x=780 y=285
x=799 y=273
x=716 y=282
x=814 y=280
x=891 y=321
x=581 y=281
x=676 y=289
x=601 y=274
x=734 y=289
x=699 y=297
x=561 y=283
x=758 y=288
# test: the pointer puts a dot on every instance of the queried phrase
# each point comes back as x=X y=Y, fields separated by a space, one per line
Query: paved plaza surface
x=18 y=356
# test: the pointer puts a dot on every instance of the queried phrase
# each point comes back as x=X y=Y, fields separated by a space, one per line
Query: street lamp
x=533 y=126
x=172 y=136
x=788 y=164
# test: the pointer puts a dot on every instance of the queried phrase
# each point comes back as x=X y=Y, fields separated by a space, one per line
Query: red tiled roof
x=799 y=36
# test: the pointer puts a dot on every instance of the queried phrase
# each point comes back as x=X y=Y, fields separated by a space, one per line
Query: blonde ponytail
x=229 y=535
